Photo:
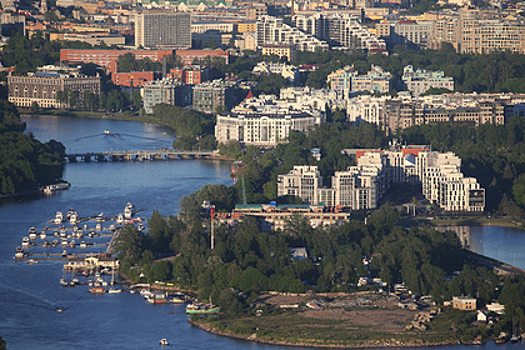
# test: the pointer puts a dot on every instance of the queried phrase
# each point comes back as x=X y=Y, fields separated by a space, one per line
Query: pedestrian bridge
x=123 y=156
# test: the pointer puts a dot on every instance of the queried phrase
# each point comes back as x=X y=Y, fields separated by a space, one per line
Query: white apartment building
x=272 y=30
x=301 y=181
x=338 y=29
x=261 y=129
x=287 y=71
x=418 y=81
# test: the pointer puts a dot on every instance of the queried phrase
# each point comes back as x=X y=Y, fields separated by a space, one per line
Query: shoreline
x=376 y=344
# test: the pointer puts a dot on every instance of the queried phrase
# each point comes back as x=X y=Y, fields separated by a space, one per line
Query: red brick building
x=190 y=75
x=198 y=56
x=138 y=78
x=109 y=58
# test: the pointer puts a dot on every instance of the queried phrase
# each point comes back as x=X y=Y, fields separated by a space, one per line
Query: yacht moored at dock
x=59 y=218
x=32 y=233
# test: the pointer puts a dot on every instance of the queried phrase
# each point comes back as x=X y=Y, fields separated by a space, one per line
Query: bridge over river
x=120 y=156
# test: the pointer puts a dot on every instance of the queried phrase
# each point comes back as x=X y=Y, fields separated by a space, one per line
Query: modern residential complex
x=265 y=130
x=348 y=80
x=403 y=111
x=272 y=30
x=418 y=81
x=360 y=187
x=166 y=91
x=163 y=30
x=338 y=29
x=208 y=96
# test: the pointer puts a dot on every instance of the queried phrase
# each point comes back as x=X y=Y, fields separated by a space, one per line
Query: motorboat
x=83 y=244
x=45 y=244
x=112 y=228
x=97 y=290
x=25 y=241
x=80 y=234
x=73 y=218
x=100 y=217
x=98 y=227
x=120 y=219
x=72 y=244
x=63 y=283
x=32 y=261
x=63 y=233
x=65 y=253
x=129 y=210
x=164 y=342
x=59 y=218
x=19 y=254
x=114 y=290
x=56 y=187
x=32 y=233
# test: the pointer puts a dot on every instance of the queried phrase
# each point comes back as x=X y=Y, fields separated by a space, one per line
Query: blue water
x=30 y=294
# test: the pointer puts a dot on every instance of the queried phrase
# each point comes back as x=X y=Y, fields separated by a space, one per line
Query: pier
x=141 y=155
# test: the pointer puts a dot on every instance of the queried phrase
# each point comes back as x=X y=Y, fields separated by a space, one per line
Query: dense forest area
x=25 y=163
x=247 y=261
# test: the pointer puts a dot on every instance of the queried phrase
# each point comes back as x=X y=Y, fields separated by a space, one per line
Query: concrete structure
x=210 y=95
x=281 y=50
x=287 y=71
x=480 y=32
x=272 y=30
x=204 y=26
x=403 y=111
x=161 y=29
x=109 y=58
x=42 y=88
x=338 y=29
x=165 y=91
x=348 y=80
x=466 y=303
x=261 y=129
x=302 y=181
x=411 y=33
x=418 y=81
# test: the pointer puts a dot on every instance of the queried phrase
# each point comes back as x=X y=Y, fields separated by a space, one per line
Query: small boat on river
x=164 y=342
x=59 y=218
x=32 y=233
x=202 y=309
x=97 y=290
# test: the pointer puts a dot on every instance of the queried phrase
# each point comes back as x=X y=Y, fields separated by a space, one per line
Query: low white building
x=287 y=71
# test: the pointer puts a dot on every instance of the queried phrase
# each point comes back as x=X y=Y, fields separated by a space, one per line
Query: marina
x=38 y=313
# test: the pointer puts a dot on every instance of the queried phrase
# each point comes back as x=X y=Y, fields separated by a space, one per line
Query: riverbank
x=470 y=221
x=371 y=344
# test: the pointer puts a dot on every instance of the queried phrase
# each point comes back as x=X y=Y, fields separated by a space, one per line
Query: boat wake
x=25 y=297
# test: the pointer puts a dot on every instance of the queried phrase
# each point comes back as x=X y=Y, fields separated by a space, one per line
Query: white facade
x=263 y=130
x=301 y=181
x=287 y=71
x=272 y=30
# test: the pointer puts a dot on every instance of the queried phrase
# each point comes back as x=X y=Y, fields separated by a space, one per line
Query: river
x=30 y=294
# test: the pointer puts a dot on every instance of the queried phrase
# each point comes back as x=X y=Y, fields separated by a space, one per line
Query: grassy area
x=294 y=328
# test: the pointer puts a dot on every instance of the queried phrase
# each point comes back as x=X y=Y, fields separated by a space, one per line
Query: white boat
x=32 y=233
x=65 y=253
x=63 y=282
x=25 y=241
x=43 y=234
x=59 y=218
x=164 y=342
x=129 y=210
x=83 y=244
x=73 y=218
x=63 y=233
x=112 y=228
x=56 y=187
x=32 y=261
x=114 y=290
x=98 y=227
x=56 y=233
x=19 y=254
x=72 y=244
x=80 y=234
x=120 y=219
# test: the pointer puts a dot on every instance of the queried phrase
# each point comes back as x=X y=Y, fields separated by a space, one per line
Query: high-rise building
x=161 y=29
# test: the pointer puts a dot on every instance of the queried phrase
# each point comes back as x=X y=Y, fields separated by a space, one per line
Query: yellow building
x=280 y=50
x=247 y=27
x=464 y=303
